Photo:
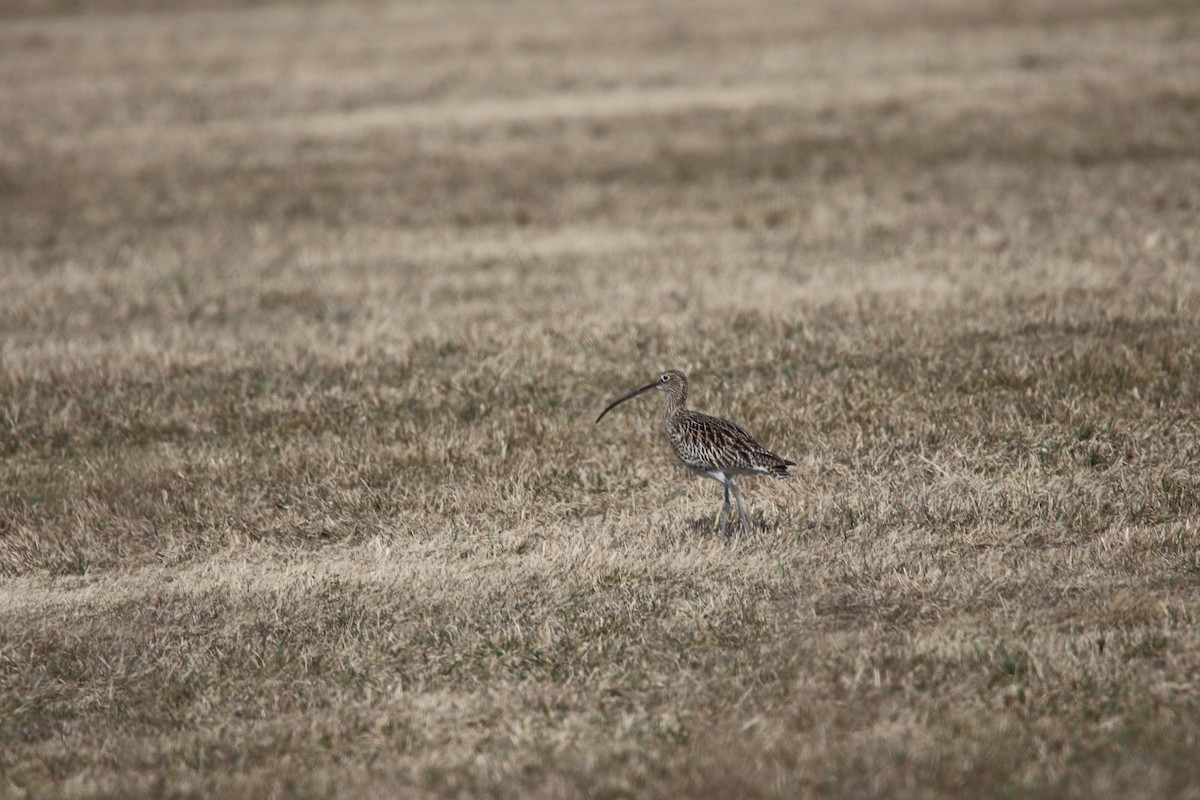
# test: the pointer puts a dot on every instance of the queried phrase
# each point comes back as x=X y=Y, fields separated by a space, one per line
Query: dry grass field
x=307 y=309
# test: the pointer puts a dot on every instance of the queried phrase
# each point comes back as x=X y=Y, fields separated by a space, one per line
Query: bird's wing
x=712 y=442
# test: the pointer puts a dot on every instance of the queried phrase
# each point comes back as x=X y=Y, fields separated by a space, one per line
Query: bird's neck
x=672 y=405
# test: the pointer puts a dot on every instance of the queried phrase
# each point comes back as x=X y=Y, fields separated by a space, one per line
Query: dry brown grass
x=308 y=309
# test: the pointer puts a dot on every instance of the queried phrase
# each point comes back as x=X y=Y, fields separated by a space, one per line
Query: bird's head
x=673 y=382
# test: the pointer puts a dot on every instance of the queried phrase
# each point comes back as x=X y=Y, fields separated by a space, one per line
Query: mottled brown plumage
x=709 y=446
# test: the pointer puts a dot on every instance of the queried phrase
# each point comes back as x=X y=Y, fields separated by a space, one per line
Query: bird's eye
x=665 y=377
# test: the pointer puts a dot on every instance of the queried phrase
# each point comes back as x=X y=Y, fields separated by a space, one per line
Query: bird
x=709 y=446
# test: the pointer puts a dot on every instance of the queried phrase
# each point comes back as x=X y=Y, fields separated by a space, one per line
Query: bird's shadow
x=706 y=527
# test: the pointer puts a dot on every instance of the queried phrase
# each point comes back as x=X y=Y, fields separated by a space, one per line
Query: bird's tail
x=779 y=470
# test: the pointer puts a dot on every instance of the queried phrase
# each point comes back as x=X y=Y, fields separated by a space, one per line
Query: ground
x=309 y=308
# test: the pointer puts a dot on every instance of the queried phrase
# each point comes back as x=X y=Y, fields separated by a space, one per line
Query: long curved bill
x=624 y=397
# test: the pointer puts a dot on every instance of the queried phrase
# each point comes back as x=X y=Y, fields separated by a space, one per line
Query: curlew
x=709 y=446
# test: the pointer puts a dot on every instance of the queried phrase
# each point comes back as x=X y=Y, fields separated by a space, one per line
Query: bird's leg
x=725 y=514
x=741 y=511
